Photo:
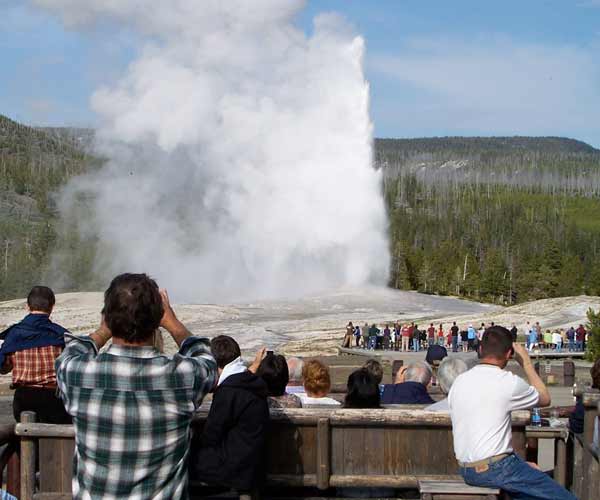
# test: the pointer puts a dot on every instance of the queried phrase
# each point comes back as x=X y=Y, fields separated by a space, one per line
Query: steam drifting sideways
x=240 y=151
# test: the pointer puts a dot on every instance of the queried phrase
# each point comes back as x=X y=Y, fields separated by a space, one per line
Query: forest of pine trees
x=462 y=224
x=503 y=220
x=33 y=166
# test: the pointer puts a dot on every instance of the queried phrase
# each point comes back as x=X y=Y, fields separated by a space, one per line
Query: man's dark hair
x=495 y=342
x=133 y=307
x=274 y=371
x=224 y=349
x=363 y=391
x=41 y=298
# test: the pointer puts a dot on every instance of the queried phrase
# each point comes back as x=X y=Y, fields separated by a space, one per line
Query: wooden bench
x=308 y=450
x=455 y=490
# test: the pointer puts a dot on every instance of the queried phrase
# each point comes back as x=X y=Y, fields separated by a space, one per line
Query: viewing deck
x=394 y=355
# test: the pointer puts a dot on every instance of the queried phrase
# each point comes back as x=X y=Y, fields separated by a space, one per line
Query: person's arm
x=7 y=366
x=260 y=355
x=195 y=349
x=170 y=322
x=533 y=378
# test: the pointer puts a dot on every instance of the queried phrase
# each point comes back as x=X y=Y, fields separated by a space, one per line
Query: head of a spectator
x=496 y=346
x=273 y=369
x=295 y=366
x=133 y=309
x=362 y=390
x=225 y=350
x=595 y=372
x=317 y=381
x=374 y=368
x=419 y=372
x=41 y=300
x=449 y=369
x=435 y=354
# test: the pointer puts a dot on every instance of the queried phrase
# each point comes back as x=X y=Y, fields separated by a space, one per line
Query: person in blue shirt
x=357 y=335
x=471 y=335
x=533 y=339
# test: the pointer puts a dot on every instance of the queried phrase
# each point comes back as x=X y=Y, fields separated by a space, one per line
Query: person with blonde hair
x=317 y=384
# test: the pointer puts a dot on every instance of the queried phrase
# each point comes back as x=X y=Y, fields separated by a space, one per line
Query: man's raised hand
x=169 y=318
x=521 y=354
x=260 y=355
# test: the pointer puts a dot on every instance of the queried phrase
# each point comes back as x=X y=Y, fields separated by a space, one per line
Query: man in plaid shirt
x=132 y=406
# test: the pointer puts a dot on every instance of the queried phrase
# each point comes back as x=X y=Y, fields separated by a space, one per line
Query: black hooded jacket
x=230 y=450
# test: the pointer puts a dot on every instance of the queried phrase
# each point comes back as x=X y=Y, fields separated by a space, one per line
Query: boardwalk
x=413 y=356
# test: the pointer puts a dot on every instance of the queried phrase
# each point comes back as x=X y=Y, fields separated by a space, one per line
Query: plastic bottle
x=536 y=418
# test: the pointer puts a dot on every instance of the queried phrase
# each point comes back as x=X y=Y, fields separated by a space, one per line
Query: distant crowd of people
x=132 y=406
x=409 y=337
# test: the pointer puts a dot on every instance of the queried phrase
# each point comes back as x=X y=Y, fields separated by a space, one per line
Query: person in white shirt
x=480 y=402
x=449 y=369
x=557 y=340
x=317 y=383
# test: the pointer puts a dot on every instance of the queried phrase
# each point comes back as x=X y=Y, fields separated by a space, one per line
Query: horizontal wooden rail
x=375 y=481
x=547 y=432
x=35 y=430
x=306 y=416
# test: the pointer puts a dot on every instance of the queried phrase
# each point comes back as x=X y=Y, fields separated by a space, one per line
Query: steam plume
x=239 y=151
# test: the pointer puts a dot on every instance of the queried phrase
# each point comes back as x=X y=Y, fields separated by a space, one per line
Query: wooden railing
x=323 y=449
x=315 y=448
x=585 y=463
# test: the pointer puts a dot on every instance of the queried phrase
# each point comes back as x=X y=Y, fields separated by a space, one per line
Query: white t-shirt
x=441 y=405
x=308 y=401
x=480 y=403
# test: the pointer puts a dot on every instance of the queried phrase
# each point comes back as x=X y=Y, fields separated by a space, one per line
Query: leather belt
x=485 y=461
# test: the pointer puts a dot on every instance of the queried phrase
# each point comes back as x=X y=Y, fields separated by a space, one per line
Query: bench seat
x=455 y=490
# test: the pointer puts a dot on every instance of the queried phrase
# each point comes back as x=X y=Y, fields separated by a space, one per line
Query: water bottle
x=381 y=387
x=536 y=418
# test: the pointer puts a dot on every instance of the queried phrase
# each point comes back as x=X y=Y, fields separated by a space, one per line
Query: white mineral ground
x=315 y=325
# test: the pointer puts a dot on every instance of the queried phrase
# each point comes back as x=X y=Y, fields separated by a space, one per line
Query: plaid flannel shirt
x=35 y=367
x=131 y=409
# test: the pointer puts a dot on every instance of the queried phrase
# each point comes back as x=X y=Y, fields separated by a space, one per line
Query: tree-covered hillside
x=496 y=219
x=33 y=165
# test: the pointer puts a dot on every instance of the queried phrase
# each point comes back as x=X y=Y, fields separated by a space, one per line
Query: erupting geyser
x=240 y=155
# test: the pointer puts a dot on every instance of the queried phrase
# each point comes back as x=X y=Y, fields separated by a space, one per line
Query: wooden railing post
x=560 y=460
x=27 y=460
x=323 y=453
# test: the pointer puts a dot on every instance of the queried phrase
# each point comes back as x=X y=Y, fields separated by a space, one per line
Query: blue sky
x=436 y=67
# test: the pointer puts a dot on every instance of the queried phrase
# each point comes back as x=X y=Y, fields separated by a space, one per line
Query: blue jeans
x=416 y=345
x=571 y=345
x=579 y=345
x=517 y=478
x=454 y=343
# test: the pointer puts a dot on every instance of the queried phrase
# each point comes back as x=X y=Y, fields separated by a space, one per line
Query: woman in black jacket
x=230 y=450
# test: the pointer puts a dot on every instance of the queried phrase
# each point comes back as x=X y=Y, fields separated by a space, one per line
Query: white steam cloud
x=240 y=151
